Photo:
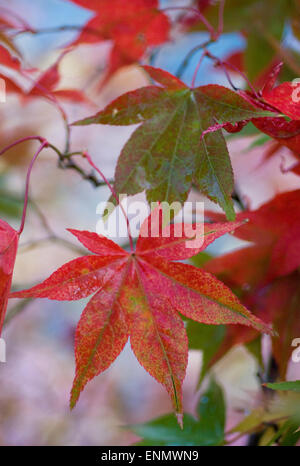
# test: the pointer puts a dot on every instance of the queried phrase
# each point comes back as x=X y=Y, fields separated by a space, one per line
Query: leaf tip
x=179 y=417
x=73 y=400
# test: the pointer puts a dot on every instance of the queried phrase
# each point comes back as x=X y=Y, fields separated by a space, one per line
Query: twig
x=224 y=64
x=19 y=141
x=190 y=55
x=25 y=247
x=66 y=162
x=197 y=69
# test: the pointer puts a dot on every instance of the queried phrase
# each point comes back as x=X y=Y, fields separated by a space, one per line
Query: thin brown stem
x=197 y=69
x=190 y=55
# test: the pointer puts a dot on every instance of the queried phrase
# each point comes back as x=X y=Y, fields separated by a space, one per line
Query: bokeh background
x=36 y=379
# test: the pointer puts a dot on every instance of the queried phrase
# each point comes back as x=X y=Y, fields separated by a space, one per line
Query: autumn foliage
x=163 y=294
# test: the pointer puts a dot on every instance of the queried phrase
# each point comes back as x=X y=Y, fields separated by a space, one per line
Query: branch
x=25 y=247
x=190 y=55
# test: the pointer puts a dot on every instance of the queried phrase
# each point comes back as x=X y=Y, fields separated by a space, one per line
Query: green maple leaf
x=169 y=151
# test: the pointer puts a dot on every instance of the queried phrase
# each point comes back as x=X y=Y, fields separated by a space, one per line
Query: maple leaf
x=8 y=60
x=285 y=98
x=167 y=153
x=139 y=295
x=47 y=83
x=45 y=86
x=264 y=275
x=282 y=98
x=279 y=303
x=287 y=133
x=132 y=26
x=282 y=300
x=8 y=250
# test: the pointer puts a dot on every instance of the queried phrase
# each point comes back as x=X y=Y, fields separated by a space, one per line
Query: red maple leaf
x=132 y=26
x=45 y=86
x=283 y=98
x=281 y=300
x=8 y=250
x=265 y=275
x=274 y=229
x=6 y=59
x=139 y=294
x=278 y=302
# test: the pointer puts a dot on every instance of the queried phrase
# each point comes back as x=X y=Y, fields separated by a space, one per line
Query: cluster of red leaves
x=139 y=295
x=178 y=143
x=131 y=26
x=266 y=275
x=45 y=86
x=285 y=99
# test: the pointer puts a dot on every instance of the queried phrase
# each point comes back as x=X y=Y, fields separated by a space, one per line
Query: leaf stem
x=190 y=55
x=42 y=146
x=197 y=69
x=89 y=159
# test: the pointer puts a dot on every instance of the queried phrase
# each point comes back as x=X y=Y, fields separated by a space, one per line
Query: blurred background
x=36 y=379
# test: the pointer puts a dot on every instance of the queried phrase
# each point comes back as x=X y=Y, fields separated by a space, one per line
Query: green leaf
x=293 y=386
x=170 y=150
x=208 y=430
x=265 y=26
x=292 y=434
x=166 y=431
x=206 y=338
x=254 y=348
x=212 y=414
x=200 y=259
x=256 y=62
